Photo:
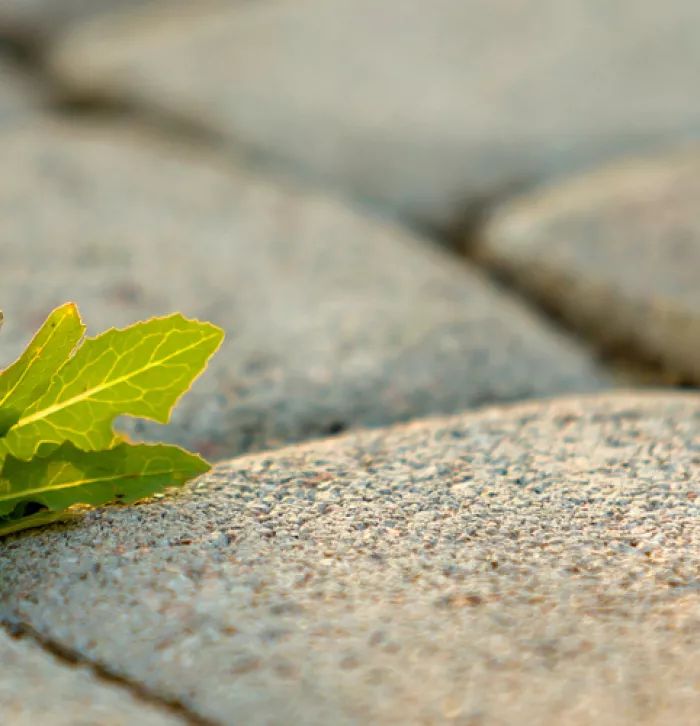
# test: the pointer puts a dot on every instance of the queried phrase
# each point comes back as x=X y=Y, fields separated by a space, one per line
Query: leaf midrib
x=44 y=413
x=81 y=482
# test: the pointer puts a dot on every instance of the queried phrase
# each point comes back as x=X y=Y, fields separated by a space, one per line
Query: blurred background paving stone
x=529 y=564
x=38 y=690
x=36 y=22
x=333 y=319
x=615 y=252
x=19 y=94
x=421 y=107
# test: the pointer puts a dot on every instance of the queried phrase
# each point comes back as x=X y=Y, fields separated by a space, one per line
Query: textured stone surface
x=531 y=564
x=616 y=252
x=17 y=94
x=333 y=319
x=37 y=690
x=422 y=106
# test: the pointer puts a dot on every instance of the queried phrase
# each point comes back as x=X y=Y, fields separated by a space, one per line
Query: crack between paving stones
x=624 y=358
x=63 y=100
x=17 y=629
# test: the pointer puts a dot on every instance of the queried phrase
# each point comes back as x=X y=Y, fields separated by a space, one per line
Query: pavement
x=456 y=419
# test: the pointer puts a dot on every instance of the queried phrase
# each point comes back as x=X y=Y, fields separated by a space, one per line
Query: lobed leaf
x=39 y=519
x=58 y=452
x=70 y=476
x=139 y=371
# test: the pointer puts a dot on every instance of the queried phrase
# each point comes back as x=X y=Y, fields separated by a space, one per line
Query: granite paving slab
x=616 y=252
x=38 y=690
x=532 y=564
x=334 y=319
x=422 y=107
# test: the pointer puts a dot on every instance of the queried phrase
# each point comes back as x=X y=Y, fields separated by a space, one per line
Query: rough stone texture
x=18 y=96
x=333 y=319
x=422 y=106
x=531 y=564
x=616 y=252
x=37 y=690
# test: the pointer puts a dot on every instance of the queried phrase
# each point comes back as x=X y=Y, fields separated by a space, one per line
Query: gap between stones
x=67 y=656
x=624 y=359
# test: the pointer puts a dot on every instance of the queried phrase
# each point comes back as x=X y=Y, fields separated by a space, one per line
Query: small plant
x=58 y=451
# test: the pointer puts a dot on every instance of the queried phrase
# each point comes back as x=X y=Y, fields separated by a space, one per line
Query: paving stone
x=422 y=107
x=333 y=319
x=528 y=564
x=18 y=96
x=616 y=252
x=37 y=21
x=36 y=689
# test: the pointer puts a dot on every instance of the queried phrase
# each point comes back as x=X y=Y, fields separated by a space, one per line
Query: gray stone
x=616 y=252
x=423 y=107
x=531 y=564
x=18 y=96
x=38 y=690
x=333 y=319
x=38 y=21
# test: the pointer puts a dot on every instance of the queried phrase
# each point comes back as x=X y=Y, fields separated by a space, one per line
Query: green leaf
x=139 y=371
x=69 y=476
x=58 y=403
x=40 y=519
x=30 y=375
